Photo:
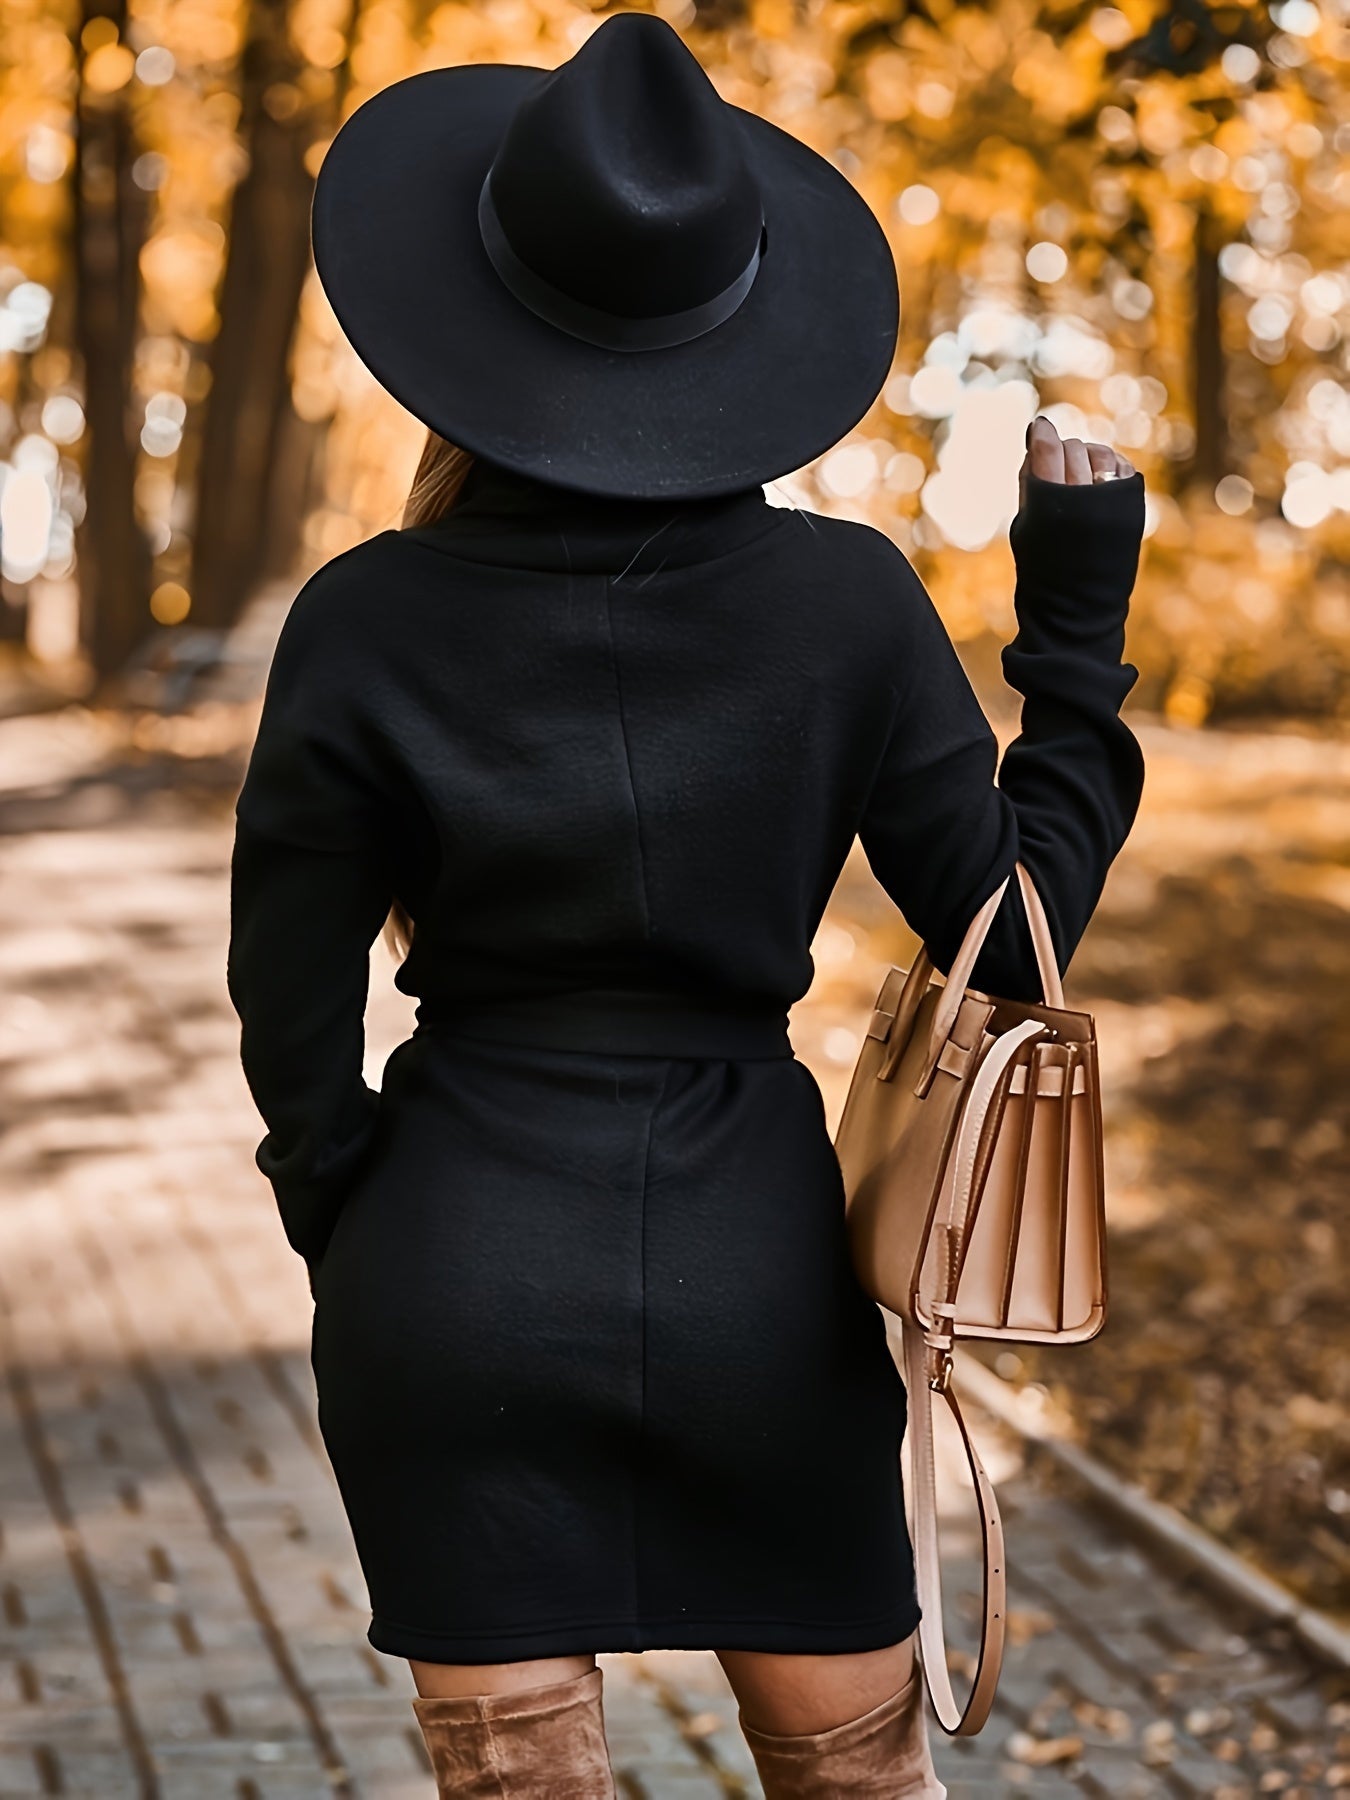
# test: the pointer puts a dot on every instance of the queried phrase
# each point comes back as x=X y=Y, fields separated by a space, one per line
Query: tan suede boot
x=882 y=1755
x=539 y=1743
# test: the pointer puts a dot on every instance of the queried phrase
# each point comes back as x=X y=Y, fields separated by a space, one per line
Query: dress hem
x=577 y=1638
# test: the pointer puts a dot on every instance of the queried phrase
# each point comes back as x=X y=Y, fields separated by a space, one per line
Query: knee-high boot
x=882 y=1755
x=539 y=1743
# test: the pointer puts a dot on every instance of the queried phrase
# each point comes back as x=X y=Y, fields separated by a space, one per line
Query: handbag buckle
x=938 y=1339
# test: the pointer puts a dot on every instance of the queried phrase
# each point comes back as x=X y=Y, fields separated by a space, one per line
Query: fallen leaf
x=1040 y=1753
x=1027 y=1623
x=1200 y=1721
x=1109 y=1720
x=702 y=1725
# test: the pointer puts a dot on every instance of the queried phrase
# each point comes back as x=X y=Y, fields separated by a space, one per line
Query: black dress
x=593 y=1370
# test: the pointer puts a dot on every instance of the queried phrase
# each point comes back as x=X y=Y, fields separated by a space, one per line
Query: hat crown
x=623 y=181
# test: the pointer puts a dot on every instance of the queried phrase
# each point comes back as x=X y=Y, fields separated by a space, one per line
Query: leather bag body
x=971 y=1150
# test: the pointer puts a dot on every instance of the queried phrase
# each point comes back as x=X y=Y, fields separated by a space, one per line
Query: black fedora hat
x=604 y=275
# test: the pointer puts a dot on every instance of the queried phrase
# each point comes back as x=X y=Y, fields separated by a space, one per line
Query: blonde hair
x=440 y=475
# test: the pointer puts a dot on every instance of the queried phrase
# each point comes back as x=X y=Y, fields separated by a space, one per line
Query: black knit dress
x=593 y=1370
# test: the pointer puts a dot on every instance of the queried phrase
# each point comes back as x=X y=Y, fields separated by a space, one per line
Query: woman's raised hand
x=1070 y=460
x=1054 y=529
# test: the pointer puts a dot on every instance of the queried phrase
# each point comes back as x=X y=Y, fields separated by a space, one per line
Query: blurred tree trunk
x=299 y=444
x=291 y=491
x=109 y=214
x=13 y=612
x=1210 y=459
x=260 y=295
x=15 y=597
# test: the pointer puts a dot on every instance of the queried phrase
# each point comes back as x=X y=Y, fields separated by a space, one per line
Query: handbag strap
x=922 y=1381
x=928 y=1371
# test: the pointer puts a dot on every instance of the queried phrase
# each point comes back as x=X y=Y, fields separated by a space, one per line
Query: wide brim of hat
x=398 y=251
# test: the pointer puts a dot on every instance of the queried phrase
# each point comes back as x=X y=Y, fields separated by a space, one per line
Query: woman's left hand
x=1070 y=460
x=1078 y=545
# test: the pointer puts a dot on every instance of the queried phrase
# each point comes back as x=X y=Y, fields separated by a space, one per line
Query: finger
x=1124 y=467
x=1103 y=460
x=1077 y=468
x=1047 y=453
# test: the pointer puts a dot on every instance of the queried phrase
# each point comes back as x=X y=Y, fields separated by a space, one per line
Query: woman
x=594 y=1372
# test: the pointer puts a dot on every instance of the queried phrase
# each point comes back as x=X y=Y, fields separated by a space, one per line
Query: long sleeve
x=302 y=923
x=309 y=892
x=944 y=822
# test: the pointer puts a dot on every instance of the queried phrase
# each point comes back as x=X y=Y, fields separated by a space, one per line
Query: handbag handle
x=1052 y=988
x=964 y=962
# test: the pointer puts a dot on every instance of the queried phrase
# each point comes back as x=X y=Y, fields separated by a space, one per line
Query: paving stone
x=1299 y=1714
x=19 y=1772
x=1119 y=1777
x=1197 y=1773
x=658 y=1781
x=958 y=1788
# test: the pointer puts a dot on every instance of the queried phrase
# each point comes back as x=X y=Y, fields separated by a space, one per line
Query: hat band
x=612 y=331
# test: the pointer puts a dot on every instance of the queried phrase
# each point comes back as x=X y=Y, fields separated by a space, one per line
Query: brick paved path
x=181 y=1612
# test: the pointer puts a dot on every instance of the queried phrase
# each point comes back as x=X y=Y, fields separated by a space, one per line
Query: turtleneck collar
x=504 y=517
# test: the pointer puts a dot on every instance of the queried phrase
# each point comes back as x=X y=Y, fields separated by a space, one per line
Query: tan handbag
x=971 y=1149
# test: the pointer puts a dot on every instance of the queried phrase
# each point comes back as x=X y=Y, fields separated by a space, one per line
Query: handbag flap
x=891 y=1142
